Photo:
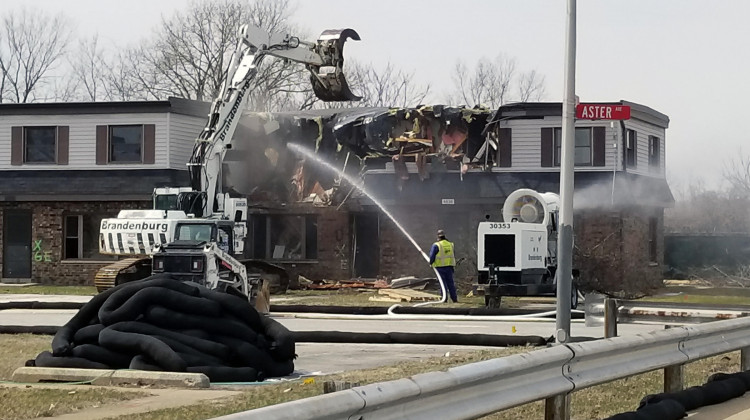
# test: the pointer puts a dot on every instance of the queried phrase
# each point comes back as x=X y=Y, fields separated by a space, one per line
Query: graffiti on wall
x=40 y=254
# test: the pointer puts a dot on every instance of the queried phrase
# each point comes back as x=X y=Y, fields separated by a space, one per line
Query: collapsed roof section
x=260 y=164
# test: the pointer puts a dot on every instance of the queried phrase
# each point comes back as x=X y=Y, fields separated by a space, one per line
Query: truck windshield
x=194 y=231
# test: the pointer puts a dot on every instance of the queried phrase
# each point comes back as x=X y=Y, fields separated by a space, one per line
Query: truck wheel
x=492 y=302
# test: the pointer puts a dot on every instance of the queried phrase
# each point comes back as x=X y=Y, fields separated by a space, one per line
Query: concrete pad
x=735 y=409
x=104 y=377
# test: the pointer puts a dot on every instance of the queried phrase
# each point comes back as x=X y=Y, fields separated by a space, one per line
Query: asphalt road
x=335 y=357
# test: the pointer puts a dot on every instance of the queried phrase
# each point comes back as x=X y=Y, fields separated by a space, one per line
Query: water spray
x=358 y=184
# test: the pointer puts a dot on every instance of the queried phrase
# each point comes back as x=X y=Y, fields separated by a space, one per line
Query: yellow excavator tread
x=106 y=277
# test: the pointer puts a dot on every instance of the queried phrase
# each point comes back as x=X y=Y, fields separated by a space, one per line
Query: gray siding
x=183 y=130
x=82 y=138
x=526 y=144
x=643 y=131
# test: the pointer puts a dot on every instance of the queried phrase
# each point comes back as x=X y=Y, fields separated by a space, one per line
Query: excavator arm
x=323 y=59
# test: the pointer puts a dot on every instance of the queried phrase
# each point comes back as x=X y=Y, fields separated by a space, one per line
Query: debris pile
x=162 y=324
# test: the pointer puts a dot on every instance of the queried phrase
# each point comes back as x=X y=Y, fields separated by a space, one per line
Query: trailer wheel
x=492 y=302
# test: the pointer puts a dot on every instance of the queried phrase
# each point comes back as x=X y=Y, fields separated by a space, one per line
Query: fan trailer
x=518 y=256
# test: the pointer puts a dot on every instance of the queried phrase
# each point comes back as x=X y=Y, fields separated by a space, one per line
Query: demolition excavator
x=197 y=233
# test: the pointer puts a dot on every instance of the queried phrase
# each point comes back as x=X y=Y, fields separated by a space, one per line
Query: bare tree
x=32 y=43
x=736 y=172
x=383 y=87
x=88 y=69
x=189 y=52
x=531 y=87
x=491 y=83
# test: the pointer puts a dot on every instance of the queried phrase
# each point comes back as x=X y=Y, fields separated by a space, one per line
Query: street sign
x=602 y=112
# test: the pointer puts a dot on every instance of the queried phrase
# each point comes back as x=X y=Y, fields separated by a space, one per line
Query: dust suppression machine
x=518 y=256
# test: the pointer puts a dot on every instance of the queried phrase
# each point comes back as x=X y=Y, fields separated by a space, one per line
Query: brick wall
x=612 y=251
x=399 y=257
x=611 y=247
x=47 y=263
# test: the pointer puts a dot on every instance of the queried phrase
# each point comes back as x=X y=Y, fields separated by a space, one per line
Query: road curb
x=109 y=377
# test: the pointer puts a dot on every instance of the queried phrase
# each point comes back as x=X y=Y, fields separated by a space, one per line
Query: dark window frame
x=654 y=152
x=557 y=146
x=79 y=253
x=26 y=145
x=110 y=145
x=631 y=148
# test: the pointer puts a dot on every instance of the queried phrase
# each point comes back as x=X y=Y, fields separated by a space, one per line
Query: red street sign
x=602 y=112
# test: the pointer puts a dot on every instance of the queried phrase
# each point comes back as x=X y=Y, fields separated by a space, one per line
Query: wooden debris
x=403 y=295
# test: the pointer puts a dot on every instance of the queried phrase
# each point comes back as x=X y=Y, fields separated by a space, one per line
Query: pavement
x=324 y=358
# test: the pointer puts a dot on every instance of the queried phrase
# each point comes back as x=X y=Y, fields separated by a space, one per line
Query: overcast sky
x=688 y=59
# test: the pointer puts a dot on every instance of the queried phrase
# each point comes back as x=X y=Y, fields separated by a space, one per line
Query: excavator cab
x=328 y=81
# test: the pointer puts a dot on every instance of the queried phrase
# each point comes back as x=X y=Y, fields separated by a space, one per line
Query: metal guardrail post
x=673 y=375
x=744 y=359
x=557 y=407
x=610 y=317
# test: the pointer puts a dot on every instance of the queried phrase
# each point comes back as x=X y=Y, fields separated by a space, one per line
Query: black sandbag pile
x=163 y=324
x=719 y=387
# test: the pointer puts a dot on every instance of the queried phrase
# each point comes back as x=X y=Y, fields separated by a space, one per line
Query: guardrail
x=486 y=387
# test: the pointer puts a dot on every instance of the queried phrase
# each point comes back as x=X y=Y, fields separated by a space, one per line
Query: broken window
x=285 y=237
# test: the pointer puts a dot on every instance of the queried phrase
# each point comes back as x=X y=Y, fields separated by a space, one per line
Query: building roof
x=172 y=104
x=554 y=109
x=87 y=185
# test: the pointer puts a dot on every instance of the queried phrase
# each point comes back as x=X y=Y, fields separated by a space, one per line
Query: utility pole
x=567 y=163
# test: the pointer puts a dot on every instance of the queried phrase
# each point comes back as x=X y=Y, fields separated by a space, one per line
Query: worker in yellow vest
x=442 y=257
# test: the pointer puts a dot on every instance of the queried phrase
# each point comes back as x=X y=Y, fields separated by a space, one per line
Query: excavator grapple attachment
x=328 y=81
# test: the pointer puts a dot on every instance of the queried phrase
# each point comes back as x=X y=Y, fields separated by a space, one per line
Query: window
x=654 y=155
x=82 y=237
x=631 y=149
x=583 y=146
x=39 y=144
x=285 y=237
x=653 y=236
x=125 y=143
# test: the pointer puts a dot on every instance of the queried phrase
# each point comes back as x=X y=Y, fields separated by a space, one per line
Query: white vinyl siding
x=526 y=144
x=175 y=135
x=183 y=130
x=527 y=155
x=644 y=130
x=82 y=138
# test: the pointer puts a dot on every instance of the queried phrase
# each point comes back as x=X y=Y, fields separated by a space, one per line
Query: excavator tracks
x=122 y=271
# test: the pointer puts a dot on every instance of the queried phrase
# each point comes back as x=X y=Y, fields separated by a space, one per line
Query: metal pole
x=565 y=243
x=610 y=318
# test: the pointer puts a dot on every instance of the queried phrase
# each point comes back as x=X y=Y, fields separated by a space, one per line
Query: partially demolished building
x=450 y=168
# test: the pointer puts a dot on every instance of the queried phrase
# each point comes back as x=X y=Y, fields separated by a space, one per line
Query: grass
x=355 y=297
x=698 y=298
x=49 y=290
x=591 y=403
x=31 y=402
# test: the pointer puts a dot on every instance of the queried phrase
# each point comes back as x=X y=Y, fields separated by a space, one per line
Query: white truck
x=198 y=232
x=518 y=256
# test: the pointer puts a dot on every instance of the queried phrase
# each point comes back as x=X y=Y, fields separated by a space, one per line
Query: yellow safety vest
x=444 y=257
